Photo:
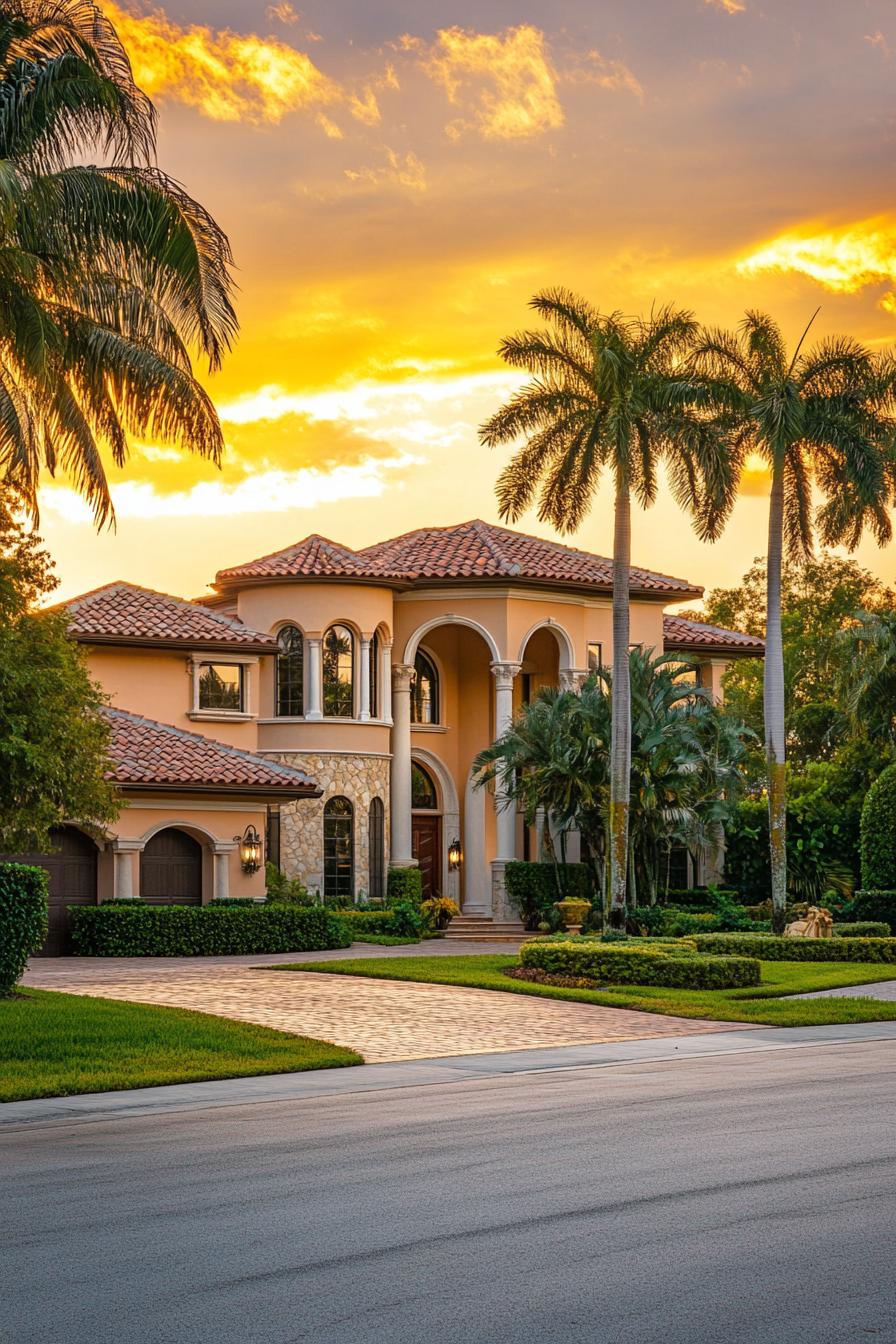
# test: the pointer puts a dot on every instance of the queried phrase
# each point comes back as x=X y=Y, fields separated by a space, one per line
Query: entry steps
x=483 y=929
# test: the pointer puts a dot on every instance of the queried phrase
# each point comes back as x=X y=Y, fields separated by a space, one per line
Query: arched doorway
x=171 y=869
x=71 y=870
x=426 y=829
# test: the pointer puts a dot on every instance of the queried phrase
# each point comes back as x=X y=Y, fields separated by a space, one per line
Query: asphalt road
x=744 y=1199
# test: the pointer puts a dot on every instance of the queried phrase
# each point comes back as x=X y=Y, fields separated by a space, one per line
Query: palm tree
x=107 y=273
x=866 y=660
x=606 y=394
x=822 y=417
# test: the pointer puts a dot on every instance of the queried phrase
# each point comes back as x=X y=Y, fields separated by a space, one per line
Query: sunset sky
x=397 y=180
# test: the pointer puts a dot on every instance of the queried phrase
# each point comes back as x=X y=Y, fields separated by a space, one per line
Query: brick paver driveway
x=382 y=1019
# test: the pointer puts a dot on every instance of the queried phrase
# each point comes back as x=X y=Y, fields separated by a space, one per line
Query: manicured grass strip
x=765 y=1005
x=56 y=1045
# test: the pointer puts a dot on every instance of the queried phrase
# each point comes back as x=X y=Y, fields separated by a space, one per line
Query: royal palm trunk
x=773 y=702
x=621 y=723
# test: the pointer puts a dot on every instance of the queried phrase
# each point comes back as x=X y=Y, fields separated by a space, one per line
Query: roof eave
x=720 y=650
x=178 y=645
x=260 y=792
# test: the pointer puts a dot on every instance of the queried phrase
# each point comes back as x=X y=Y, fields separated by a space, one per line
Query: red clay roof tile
x=124 y=613
x=679 y=633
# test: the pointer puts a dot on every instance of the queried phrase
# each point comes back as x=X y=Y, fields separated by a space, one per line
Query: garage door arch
x=171 y=868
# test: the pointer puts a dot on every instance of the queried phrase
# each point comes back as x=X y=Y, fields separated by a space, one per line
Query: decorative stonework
x=357 y=777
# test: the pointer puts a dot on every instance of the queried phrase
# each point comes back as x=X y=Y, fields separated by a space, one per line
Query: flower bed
x=618 y=964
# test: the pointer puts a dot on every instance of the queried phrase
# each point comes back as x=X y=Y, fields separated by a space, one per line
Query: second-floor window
x=222 y=686
x=374 y=677
x=290 y=672
x=595 y=657
x=425 y=691
x=338 y=672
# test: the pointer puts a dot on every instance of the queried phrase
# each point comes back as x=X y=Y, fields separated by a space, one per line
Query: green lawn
x=54 y=1045
x=764 y=1004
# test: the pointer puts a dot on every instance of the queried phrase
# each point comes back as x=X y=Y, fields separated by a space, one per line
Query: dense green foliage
x=878 y=833
x=143 y=930
x=770 y=948
x=107 y=272
x=625 y=964
x=288 y=890
x=404 y=920
x=863 y=928
x=871 y=904
x=533 y=888
x=684 y=774
x=53 y=741
x=57 y=1045
x=23 y=919
x=819 y=850
x=404 y=886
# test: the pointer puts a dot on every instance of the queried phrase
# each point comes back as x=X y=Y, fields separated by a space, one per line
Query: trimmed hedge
x=863 y=928
x=768 y=947
x=623 y=965
x=405 y=921
x=404 y=885
x=876 y=904
x=23 y=919
x=202 y=930
x=532 y=888
x=878 y=833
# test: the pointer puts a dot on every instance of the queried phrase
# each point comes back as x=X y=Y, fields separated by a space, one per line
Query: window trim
x=248 y=665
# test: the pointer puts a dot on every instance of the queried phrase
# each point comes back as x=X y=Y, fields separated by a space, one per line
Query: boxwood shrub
x=863 y=928
x=404 y=885
x=768 y=947
x=404 y=921
x=23 y=919
x=143 y=930
x=621 y=964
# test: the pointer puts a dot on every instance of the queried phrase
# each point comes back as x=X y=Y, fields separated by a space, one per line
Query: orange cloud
x=403 y=170
x=228 y=76
x=506 y=79
x=729 y=6
x=843 y=259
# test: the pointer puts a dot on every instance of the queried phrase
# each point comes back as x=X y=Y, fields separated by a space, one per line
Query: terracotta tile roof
x=147 y=754
x=315 y=556
x=679 y=633
x=123 y=613
x=468 y=550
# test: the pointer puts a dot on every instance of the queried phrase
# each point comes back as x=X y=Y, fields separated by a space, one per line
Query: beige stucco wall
x=358 y=778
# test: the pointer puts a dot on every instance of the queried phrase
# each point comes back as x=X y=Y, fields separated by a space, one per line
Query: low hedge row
x=23 y=919
x=767 y=947
x=143 y=930
x=404 y=884
x=863 y=928
x=405 y=920
x=623 y=965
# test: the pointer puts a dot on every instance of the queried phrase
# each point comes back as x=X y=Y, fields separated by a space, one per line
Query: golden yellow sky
x=398 y=179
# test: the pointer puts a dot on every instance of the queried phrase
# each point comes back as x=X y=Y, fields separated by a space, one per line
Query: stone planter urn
x=573 y=912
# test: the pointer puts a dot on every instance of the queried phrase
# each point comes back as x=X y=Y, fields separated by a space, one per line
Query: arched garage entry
x=171 y=868
x=71 y=870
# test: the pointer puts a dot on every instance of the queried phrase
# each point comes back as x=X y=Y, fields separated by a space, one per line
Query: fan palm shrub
x=109 y=273
x=821 y=417
x=606 y=397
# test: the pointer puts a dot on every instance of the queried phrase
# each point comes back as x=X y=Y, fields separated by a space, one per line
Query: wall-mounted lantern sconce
x=454 y=856
x=250 y=849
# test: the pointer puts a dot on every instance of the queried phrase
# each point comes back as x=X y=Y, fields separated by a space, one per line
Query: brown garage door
x=171 y=869
x=71 y=867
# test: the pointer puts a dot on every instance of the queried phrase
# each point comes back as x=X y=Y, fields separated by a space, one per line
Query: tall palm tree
x=606 y=395
x=825 y=417
x=107 y=273
x=865 y=655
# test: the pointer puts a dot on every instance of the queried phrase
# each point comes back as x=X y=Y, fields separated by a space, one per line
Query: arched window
x=339 y=850
x=423 y=790
x=425 y=691
x=338 y=668
x=376 y=844
x=374 y=681
x=290 y=672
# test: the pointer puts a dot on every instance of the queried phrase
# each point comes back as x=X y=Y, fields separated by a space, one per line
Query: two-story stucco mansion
x=333 y=701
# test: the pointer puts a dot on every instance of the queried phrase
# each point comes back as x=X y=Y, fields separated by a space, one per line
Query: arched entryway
x=426 y=829
x=171 y=868
x=71 y=871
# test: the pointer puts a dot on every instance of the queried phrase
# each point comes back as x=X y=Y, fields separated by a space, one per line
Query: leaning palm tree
x=824 y=417
x=108 y=274
x=606 y=395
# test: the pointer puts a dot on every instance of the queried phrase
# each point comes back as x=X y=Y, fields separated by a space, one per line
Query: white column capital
x=402 y=675
x=571 y=678
x=505 y=674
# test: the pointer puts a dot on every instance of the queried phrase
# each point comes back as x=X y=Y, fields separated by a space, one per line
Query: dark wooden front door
x=171 y=869
x=426 y=834
x=71 y=869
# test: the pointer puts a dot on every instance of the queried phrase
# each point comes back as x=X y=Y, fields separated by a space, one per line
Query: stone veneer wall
x=358 y=778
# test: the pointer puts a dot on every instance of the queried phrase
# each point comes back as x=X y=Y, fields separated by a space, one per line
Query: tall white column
x=364 y=697
x=504 y=674
x=386 y=683
x=221 y=871
x=314 y=689
x=402 y=856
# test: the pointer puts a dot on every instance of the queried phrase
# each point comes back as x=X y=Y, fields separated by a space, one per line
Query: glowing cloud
x=607 y=74
x=844 y=259
x=729 y=6
x=404 y=170
x=507 y=79
x=228 y=76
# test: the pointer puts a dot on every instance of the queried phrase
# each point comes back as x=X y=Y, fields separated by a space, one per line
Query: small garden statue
x=819 y=923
